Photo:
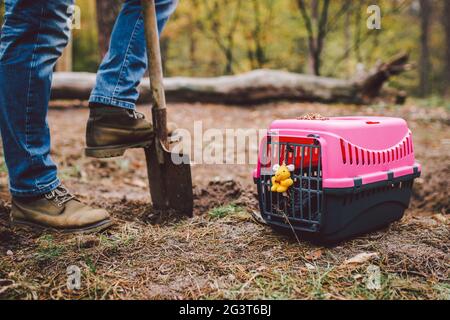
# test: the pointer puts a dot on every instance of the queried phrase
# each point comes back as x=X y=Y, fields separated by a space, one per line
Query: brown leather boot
x=111 y=131
x=58 y=211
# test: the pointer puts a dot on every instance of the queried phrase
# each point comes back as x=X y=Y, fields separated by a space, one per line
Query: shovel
x=170 y=182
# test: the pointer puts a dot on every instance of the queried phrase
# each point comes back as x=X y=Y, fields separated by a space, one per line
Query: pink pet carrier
x=350 y=175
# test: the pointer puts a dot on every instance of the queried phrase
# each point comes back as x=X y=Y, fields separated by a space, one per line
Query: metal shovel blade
x=170 y=183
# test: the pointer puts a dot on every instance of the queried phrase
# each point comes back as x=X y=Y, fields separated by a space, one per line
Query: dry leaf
x=361 y=258
x=139 y=183
x=309 y=266
x=314 y=255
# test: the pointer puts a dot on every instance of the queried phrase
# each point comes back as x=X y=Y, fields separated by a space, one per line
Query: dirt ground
x=223 y=252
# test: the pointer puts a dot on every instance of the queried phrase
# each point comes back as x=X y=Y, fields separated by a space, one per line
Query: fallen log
x=257 y=86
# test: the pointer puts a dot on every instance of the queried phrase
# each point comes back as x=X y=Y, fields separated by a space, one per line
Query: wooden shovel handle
x=159 y=114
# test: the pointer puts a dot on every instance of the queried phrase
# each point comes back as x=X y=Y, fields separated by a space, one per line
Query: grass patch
x=443 y=290
x=317 y=280
x=224 y=211
x=281 y=286
x=90 y=264
x=120 y=240
x=48 y=249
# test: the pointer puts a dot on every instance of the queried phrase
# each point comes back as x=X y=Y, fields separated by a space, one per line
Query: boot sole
x=113 y=151
x=94 y=228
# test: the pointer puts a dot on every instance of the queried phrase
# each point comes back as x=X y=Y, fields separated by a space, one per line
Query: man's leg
x=126 y=61
x=34 y=35
x=113 y=125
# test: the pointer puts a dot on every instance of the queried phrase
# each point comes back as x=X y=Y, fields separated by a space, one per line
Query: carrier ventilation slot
x=353 y=155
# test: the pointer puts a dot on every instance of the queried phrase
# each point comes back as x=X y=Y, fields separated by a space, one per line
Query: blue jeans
x=34 y=35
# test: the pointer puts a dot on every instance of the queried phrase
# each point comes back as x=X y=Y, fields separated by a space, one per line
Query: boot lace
x=59 y=196
x=136 y=115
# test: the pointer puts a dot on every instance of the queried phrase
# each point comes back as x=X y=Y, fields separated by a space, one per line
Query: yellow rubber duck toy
x=281 y=181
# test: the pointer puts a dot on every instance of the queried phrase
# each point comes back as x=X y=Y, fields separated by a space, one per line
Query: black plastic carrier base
x=329 y=216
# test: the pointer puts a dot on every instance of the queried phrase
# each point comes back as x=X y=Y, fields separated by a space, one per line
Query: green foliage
x=215 y=37
x=221 y=212
x=90 y=264
x=47 y=248
x=434 y=101
x=444 y=291
x=193 y=48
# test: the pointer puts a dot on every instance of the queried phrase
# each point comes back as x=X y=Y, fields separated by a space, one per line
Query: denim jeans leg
x=34 y=35
x=126 y=61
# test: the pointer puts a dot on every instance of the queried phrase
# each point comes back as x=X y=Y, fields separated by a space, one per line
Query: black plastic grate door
x=300 y=208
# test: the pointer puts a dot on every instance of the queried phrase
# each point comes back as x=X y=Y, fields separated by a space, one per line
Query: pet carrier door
x=300 y=206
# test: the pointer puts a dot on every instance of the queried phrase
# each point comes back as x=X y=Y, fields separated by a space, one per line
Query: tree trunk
x=357 y=40
x=314 y=56
x=316 y=26
x=254 y=87
x=107 y=11
x=347 y=37
x=165 y=44
x=192 y=43
x=65 y=62
x=371 y=85
x=425 y=65
x=229 y=61
x=259 y=54
x=446 y=23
